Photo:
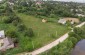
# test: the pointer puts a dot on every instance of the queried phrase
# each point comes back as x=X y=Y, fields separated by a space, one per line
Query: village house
x=80 y=15
x=10 y=3
x=38 y=3
x=5 y=42
x=71 y=20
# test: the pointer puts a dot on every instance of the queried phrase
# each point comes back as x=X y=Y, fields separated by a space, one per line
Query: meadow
x=44 y=32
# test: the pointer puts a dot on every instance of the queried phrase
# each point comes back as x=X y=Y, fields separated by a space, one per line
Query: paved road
x=51 y=45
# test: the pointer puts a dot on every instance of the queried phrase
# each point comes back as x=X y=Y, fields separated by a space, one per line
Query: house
x=71 y=20
x=62 y=21
x=5 y=42
x=79 y=48
x=38 y=3
x=81 y=15
x=2 y=35
x=10 y=3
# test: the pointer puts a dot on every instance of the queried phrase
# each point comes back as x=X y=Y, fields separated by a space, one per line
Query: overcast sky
x=72 y=0
x=81 y=1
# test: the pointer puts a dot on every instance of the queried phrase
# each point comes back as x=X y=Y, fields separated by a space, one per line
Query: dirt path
x=51 y=45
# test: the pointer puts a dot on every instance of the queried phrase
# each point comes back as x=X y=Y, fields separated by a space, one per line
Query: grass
x=67 y=46
x=44 y=32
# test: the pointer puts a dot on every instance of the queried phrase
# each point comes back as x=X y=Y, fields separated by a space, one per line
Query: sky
x=81 y=1
x=72 y=0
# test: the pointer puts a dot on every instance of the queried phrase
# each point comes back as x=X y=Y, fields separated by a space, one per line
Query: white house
x=10 y=3
x=81 y=15
x=62 y=21
x=2 y=35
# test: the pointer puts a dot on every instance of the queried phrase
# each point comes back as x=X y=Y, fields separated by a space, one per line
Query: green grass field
x=44 y=32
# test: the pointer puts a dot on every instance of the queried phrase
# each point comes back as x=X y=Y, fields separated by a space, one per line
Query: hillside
x=22 y=22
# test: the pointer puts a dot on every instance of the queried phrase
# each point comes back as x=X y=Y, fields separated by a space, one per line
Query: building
x=2 y=35
x=5 y=42
x=62 y=21
x=72 y=20
x=79 y=48
x=80 y=15
x=11 y=3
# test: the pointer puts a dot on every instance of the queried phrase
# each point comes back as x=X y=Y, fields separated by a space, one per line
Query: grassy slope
x=43 y=31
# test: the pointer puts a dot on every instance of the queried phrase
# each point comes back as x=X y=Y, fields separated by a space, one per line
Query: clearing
x=44 y=32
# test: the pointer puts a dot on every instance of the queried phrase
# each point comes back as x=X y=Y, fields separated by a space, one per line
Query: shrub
x=10 y=19
x=15 y=23
x=29 y=32
x=11 y=33
x=21 y=27
x=6 y=20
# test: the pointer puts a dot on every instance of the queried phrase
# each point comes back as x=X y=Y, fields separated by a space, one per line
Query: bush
x=21 y=27
x=29 y=32
x=15 y=23
x=6 y=20
x=10 y=19
x=74 y=40
x=11 y=33
x=52 y=16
